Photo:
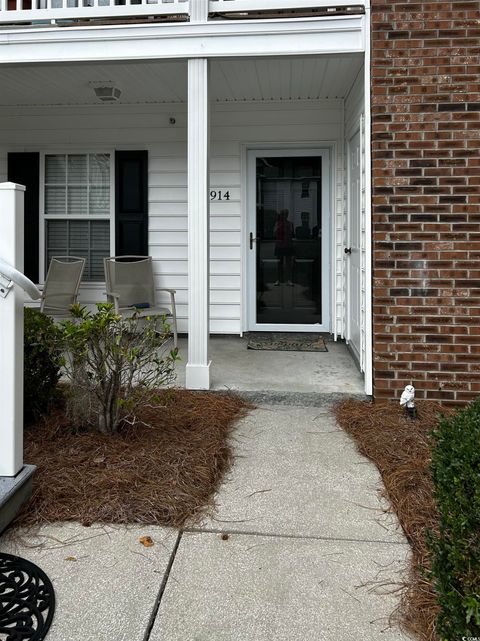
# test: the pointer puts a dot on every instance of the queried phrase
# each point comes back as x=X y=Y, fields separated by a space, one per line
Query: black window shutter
x=131 y=203
x=24 y=169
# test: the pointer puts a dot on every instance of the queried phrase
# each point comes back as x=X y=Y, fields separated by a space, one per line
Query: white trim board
x=285 y=37
x=269 y=5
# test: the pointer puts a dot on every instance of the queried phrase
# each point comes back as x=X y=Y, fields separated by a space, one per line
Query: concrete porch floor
x=237 y=368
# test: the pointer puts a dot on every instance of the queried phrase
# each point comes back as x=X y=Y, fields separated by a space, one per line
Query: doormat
x=287 y=342
x=27 y=600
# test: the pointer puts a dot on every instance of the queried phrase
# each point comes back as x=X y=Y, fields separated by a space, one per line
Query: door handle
x=252 y=240
x=348 y=250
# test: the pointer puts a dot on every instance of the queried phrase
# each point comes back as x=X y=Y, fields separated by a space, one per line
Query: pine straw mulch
x=401 y=450
x=163 y=472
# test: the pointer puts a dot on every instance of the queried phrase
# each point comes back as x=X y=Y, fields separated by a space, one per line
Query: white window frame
x=42 y=271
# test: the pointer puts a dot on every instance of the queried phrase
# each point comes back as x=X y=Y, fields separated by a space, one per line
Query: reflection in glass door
x=289 y=240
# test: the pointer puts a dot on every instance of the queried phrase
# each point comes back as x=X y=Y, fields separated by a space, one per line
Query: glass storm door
x=288 y=241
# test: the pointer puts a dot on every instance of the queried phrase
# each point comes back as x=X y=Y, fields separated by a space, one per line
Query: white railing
x=229 y=6
x=50 y=10
x=38 y=11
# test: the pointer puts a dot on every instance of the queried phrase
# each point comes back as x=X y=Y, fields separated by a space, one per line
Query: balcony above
x=66 y=13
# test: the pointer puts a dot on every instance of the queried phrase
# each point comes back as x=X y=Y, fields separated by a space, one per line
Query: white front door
x=288 y=242
x=353 y=248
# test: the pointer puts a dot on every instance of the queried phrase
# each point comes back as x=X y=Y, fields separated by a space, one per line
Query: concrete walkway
x=297 y=551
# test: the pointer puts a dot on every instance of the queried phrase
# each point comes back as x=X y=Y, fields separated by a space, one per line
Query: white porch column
x=11 y=332
x=198 y=365
x=198 y=10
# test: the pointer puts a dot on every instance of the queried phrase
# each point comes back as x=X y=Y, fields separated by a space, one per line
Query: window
x=77 y=209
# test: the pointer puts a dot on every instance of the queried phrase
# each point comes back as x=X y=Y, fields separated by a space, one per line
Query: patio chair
x=131 y=288
x=60 y=290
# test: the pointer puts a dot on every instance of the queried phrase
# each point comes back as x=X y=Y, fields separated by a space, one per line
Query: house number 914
x=219 y=195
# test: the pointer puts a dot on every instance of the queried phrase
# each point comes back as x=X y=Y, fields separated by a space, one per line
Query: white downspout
x=368 y=207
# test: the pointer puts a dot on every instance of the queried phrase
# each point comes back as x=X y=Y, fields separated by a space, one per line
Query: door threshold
x=326 y=335
x=299 y=329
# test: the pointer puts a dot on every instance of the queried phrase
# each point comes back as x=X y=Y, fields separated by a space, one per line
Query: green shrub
x=113 y=364
x=41 y=363
x=456 y=551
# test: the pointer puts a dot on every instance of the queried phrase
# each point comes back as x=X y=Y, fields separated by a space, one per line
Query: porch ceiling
x=166 y=81
x=295 y=78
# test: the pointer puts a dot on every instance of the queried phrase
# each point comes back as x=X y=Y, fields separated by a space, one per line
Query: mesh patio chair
x=61 y=285
x=131 y=288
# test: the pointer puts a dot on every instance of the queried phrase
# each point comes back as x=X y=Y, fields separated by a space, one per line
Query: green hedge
x=456 y=551
x=41 y=363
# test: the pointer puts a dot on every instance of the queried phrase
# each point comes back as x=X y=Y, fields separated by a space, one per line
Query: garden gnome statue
x=407 y=400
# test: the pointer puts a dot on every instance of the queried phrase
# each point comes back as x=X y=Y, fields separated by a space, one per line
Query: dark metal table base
x=27 y=600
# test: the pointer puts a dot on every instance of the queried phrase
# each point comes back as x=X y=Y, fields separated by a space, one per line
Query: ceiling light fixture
x=106 y=91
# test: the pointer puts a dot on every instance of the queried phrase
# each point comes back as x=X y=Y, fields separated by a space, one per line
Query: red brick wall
x=426 y=204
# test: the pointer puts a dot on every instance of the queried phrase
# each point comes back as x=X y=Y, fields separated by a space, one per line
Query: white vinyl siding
x=281 y=124
x=363 y=250
x=234 y=126
x=354 y=121
x=338 y=265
